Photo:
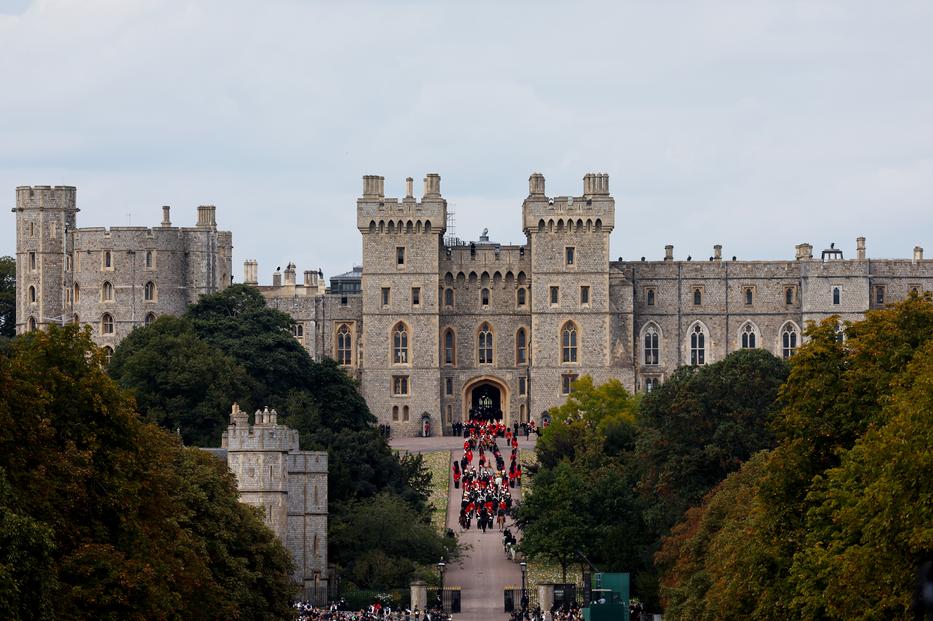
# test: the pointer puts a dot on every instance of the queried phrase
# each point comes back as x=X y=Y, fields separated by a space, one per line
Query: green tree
x=180 y=381
x=7 y=297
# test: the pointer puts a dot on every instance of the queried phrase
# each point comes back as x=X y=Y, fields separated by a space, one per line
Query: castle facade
x=434 y=328
x=113 y=279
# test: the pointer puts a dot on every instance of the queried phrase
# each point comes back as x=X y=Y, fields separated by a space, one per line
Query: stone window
x=651 y=340
x=485 y=344
x=789 y=338
x=68 y=262
x=386 y=298
x=566 y=383
x=450 y=347
x=697 y=296
x=916 y=289
x=522 y=414
x=840 y=332
x=555 y=295
x=344 y=300
x=106 y=324
x=448 y=297
x=106 y=292
x=400 y=385
x=521 y=347
x=449 y=386
x=77 y=293
x=484 y=297
x=650 y=296
x=522 y=387
x=748 y=335
x=879 y=294
x=749 y=294
x=651 y=383
x=106 y=260
x=400 y=256
x=568 y=343
x=837 y=295
x=697 y=345
x=150 y=259
x=521 y=295
x=150 y=317
x=400 y=344
x=108 y=354
x=32 y=261
x=395 y=413
x=416 y=296
x=31 y=324
x=32 y=294
x=585 y=295
x=32 y=229
x=149 y=291
x=788 y=295
x=344 y=345
x=405 y=413
x=569 y=252
x=298 y=331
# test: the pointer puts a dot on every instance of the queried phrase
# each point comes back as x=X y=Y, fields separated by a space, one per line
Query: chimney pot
x=166 y=215
x=717 y=252
x=669 y=252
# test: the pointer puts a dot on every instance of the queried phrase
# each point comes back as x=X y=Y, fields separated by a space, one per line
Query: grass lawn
x=438 y=464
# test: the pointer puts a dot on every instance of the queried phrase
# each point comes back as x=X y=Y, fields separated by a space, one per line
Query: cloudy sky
x=758 y=125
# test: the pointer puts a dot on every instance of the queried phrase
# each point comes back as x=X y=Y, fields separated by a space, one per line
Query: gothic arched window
x=32 y=294
x=789 y=295
x=450 y=347
x=149 y=292
x=344 y=345
x=108 y=354
x=400 y=344
x=568 y=342
x=106 y=292
x=521 y=347
x=697 y=297
x=789 y=338
x=697 y=345
x=77 y=293
x=106 y=324
x=31 y=325
x=485 y=344
x=652 y=349
x=748 y=336
x=448 y=297
x=150 y=317
x=484 y=297
x=149 y=258
x=749 y=296
x=521 y=294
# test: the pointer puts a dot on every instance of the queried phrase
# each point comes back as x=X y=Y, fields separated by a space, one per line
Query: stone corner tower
x=402 y=245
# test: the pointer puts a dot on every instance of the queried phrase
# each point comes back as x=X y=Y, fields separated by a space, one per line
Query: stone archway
x=489 y=395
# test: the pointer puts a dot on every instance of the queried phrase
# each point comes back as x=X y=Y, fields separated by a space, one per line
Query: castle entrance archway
x=486 y=398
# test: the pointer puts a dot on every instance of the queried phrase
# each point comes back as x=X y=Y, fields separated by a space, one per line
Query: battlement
x=265 y=434
x=594 y=211
x=378 y=214
x=46 y=197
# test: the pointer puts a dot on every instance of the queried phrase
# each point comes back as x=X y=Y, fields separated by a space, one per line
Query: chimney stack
x=804 y=251
x=918 y=254
x=595 y=184
x=166 y=212
x=250 y=272
x=669 y=252
x=860 y=248
x=432 y=185
x=409 y=187
x=276 y=278
x=717 y=252
x=536 y=184
x=290 y=274
x=373 y=186
x=206 y=215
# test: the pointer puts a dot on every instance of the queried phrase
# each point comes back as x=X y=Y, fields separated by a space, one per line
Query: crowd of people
x=485 y=485
x=375 y=612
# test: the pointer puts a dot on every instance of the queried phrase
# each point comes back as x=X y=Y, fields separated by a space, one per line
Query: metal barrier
x=451 y=598
x=512 y=598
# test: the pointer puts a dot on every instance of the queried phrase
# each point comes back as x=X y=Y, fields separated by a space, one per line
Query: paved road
x=484 y=571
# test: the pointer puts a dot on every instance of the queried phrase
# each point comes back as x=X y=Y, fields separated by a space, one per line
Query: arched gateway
x=486 y=398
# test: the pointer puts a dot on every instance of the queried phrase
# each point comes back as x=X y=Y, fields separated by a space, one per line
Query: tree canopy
x=7 y=297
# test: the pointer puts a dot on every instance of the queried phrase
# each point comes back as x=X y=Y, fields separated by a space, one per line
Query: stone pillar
x=860 y=248
x=419 y=595
x=166 y=212
x=669 y=252
x=545 y=595
x=409 y=187
x=250 y=272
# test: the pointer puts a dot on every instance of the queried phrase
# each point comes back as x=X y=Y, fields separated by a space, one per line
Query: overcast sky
x=758 y=125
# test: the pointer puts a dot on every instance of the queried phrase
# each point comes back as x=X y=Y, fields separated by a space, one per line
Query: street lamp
x=524 y=567
x=440 y=593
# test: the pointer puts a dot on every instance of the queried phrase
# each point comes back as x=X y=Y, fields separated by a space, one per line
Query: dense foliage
x=835 y=520
x=105 y=517
x=231 y=347
x=7 y=297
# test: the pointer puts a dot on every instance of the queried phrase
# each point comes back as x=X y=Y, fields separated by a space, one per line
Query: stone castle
x=434 y=328
x=290 y=486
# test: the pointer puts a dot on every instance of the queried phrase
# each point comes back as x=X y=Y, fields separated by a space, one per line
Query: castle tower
x=571 y=323
x=258 y=456
x=44 y=217
x=402 y=243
